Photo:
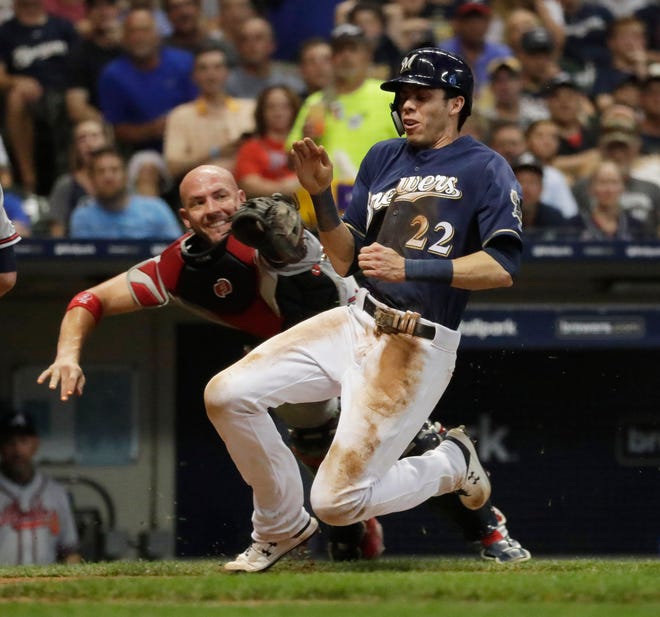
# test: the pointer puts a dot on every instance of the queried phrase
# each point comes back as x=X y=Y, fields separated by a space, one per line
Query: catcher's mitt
x=273 y=226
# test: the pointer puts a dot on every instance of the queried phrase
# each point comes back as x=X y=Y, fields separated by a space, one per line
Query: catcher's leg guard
x=310 y=445
x=363 y=540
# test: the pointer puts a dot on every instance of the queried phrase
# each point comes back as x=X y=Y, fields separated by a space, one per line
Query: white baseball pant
x=388 y=383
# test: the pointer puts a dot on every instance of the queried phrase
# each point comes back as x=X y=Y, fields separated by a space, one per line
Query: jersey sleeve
x=501 y=211
x=146 y=284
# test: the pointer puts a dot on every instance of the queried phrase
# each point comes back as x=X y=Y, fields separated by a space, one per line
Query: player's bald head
x=201 y=177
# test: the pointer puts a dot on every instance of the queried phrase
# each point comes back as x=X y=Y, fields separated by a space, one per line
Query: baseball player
x=211 y=273
x=431 y=217
x=36 y=521
x=8 y=237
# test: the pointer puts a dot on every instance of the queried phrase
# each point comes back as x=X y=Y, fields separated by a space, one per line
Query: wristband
x=327 y=216
x=429 y=270
x=88 y=301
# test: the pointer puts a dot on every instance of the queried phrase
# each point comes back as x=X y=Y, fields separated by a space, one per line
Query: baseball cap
x=560 y=80
x=617 y=137
x=527 y=161
x=537 y=40
x=510 y=63
x=480 y=7
x=16 y=423
x=618 y=118
x=347 y=33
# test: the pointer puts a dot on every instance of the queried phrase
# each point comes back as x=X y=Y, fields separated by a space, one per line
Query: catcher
x=253 y=267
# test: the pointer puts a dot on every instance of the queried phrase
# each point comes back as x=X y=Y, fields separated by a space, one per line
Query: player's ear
x=183 y=213
x=456 y=105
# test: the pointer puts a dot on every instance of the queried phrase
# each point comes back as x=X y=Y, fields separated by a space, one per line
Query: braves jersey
x=36 y=522
x=432 y=204
x=229 y=285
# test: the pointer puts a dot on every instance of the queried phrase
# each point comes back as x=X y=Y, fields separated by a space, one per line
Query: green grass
x=391 y=587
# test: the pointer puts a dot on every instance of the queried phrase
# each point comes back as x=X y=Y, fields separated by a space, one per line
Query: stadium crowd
x=568 y=91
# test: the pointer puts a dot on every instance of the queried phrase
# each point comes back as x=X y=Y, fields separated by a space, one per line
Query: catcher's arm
x=78 y=323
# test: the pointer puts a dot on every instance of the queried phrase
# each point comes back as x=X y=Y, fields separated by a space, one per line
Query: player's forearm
x=77 y=325
x=479 y=271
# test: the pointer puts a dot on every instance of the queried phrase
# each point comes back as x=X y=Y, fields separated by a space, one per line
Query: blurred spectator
x=262 y=163
x=88 y=136
x=411 y=23
x=37 y=524
x=513 y=17
x=148 y=175
x=542 y=139
x=573 y=115
x=89 y=56
x=114 y=212
x=371 y=17
x=501 y=101
x=208 y=129
x=620 y=143
x=351 y=115
x=508 y=139
x=315 y=65
x=294 y=21
x=516 y=23
x=231 y=15
x=163 y=26
x=33 y=57
x=649 y=100
x=627 y=92
x=626 y=40
x=189 y=30
x=256 y=68
x=539 y=219
x=74 y=11
x=605 y=218
x=346 y=118
x=471 y=23
x=140 y=87
x=586 y=25
x=537 y=68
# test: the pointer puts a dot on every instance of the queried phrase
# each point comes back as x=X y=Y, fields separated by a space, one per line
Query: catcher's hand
x=273 y=226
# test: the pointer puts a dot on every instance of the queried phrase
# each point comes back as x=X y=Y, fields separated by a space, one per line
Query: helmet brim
x=394 y=85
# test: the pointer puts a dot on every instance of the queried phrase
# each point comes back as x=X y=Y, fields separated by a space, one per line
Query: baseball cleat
x=505 y=550
x=260 y=556
x=476 y=486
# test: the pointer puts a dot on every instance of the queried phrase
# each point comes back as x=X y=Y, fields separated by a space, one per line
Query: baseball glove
x=273 y=226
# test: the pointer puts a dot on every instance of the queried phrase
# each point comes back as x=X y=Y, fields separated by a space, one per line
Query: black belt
x=420 y=329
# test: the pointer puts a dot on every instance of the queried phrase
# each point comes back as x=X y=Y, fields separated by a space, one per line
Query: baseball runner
x=431 y=217
x=36 y=521
x=8 y=237
x=213 y=274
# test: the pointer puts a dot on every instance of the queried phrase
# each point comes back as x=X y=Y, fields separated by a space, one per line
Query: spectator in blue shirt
x=115 y=213
x=139 y=88
x=471 y=24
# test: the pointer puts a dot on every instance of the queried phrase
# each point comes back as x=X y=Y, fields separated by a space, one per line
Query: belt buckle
x=389 y=321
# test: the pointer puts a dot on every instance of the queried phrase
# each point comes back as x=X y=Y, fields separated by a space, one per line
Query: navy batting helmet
x=435 y=68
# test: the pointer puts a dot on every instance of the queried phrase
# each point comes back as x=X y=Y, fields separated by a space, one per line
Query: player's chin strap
x=197 y=253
